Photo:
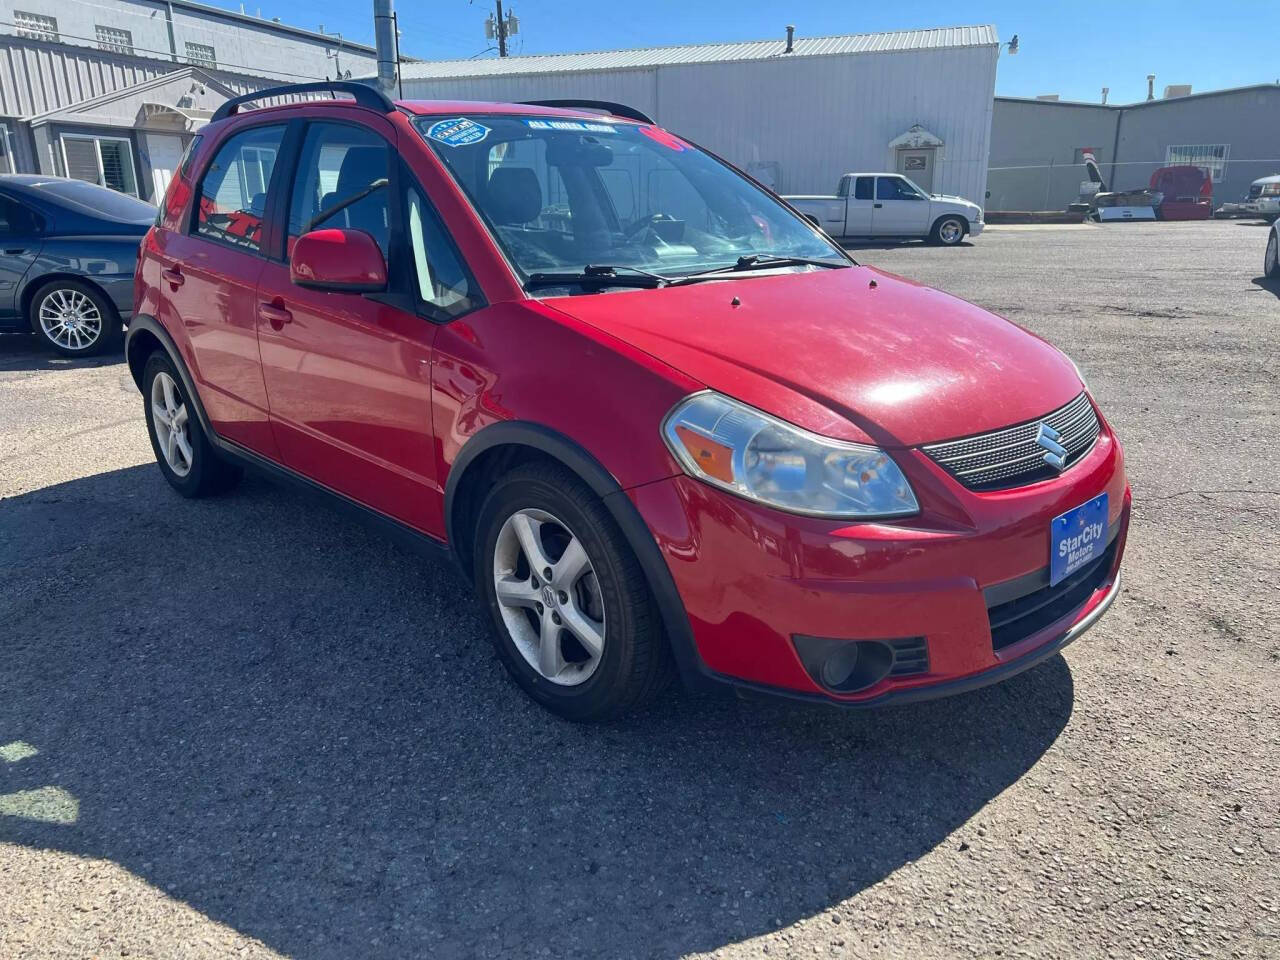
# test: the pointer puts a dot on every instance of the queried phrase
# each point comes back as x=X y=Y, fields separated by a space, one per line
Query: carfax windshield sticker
x=668 y=140
x=457 y=132
x=573 y=126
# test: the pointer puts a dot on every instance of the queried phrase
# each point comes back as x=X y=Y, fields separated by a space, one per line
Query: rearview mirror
x=346 y=261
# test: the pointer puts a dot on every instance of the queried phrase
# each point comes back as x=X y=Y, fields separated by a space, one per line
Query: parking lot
x=245 y=726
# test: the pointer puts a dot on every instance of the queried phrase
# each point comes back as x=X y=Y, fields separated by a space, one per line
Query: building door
x=917 y=165
x=164 y=153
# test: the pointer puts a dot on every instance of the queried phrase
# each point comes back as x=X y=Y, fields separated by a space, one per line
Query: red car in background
x=1186 y=192
x=663 y=423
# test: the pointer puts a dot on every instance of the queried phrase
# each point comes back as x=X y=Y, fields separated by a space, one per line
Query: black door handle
x=877 y=205
x=14 y=251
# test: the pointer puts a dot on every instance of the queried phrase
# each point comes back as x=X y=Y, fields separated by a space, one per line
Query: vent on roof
x=1177 y=90
x=1046 y=96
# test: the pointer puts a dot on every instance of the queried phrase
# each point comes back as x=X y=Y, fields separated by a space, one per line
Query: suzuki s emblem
x=548 y=596
x=1048 y=438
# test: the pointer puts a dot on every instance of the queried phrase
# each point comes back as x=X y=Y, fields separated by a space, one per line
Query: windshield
x=561 y=195
x=99 y=201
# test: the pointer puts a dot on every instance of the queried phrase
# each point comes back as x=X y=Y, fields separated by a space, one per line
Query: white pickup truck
x=890 y=205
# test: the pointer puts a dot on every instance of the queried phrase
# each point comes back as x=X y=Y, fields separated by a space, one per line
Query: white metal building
x=111 y=91
x=916 y=101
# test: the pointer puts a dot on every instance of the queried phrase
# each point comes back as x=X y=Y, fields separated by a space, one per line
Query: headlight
x=744 y=451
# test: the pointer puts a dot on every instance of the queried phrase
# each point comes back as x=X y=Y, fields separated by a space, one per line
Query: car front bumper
x=752 y=578
x=975 y=227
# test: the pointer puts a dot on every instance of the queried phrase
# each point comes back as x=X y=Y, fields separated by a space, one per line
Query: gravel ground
x=247 y=727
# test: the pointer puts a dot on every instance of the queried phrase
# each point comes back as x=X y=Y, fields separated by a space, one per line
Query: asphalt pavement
x=248 y=727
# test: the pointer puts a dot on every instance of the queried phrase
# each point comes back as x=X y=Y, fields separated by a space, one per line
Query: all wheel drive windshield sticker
x=574 y=126
x=457 y=132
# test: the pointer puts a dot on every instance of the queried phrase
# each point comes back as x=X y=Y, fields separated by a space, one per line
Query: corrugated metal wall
x=815 y=117
x=36 y=77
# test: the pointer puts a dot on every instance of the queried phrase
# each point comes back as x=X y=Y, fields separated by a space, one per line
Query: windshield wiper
x=759 y=261
x=602 y=275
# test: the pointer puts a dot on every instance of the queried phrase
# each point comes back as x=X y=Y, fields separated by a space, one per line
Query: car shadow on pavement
x=1268 y=284
x=300 y=729
x=22 y=351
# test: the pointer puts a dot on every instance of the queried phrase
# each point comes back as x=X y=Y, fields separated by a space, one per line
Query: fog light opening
x=845 y=666
x=839 y=665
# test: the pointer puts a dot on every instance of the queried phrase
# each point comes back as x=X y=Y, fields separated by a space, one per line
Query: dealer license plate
x=1077 y=538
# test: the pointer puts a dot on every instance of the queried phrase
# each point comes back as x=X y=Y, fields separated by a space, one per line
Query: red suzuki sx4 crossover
x=664 y=424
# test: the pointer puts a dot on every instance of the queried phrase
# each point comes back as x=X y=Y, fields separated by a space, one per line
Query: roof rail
x=364 y=94
x=617 y=109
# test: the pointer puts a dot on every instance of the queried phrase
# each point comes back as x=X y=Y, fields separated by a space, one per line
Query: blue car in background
x=67 y=254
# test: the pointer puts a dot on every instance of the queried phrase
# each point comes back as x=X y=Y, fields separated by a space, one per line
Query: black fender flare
x=558 y=446
x=144 y=323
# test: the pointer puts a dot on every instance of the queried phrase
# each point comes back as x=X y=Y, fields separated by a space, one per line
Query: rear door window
x=864 y=188
x=341 y=182
x=16 y=220
x=233 y=193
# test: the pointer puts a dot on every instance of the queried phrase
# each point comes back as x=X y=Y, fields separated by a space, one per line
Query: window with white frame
x=201 y=54
x=1210 y=156
x=114 y=39
x=106 y=161
x=35 y=26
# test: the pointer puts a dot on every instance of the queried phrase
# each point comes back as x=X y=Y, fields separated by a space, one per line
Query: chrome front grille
x=1011 y=457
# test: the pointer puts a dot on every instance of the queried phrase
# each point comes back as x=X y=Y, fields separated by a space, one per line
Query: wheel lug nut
x=546 y=573
x=555 y=618
x=538 y=607
x=562 y=597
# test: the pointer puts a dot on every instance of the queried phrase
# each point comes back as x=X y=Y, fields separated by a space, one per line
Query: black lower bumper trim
x=975 y=681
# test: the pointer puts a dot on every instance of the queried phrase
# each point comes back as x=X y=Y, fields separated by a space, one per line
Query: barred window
x=35 y=26
x=1210 y=156
x=201 y=54
x=114 y=39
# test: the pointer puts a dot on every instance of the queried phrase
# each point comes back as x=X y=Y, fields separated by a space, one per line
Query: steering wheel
x=644 y=223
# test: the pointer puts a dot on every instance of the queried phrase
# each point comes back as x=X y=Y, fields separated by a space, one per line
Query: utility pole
x=385 y=39
x=500 y=28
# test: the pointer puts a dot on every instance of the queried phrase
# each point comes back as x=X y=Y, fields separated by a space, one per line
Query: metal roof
x=642 y=57
x=1225 y=91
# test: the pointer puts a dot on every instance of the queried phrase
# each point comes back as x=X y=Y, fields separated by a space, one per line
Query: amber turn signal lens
x=713 y=458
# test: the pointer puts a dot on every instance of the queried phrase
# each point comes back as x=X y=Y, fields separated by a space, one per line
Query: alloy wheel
x=169 y=416
x=950 y=231
x=70 y=319
x=549 y=597
x=1273 y=255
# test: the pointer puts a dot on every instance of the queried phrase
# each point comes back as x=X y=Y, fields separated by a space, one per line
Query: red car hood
x=897 y=363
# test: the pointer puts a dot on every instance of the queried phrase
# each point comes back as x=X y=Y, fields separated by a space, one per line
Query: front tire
x=74 y=319
x=949 y=231
x=1271 y=259
x=185 y=455
x=574 y=622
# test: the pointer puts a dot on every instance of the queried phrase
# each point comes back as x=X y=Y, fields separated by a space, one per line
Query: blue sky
x=1064 y=48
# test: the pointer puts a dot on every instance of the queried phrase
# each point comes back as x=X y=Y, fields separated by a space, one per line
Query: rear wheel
x=575 y=624
x=186 y=457
x=74 y=318
x=949 y=231
x=1271 y=259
